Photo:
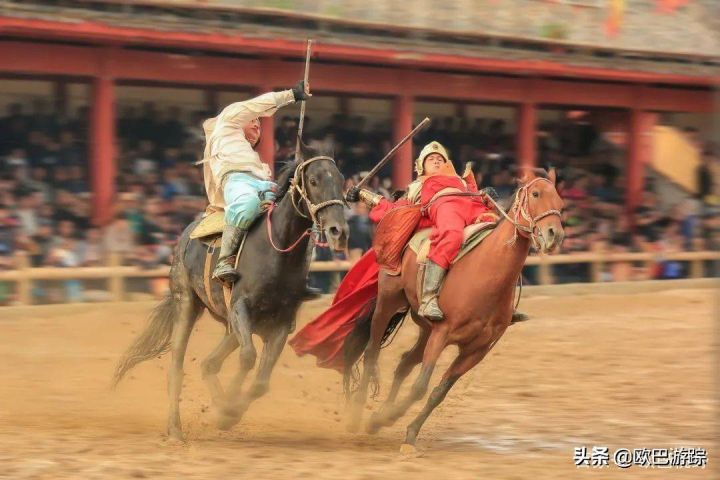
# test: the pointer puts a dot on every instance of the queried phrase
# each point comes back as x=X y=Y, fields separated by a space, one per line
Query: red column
x=102 y=148
x=266 y=148
x=635 y=174
x=402 y=124
x=526 y=135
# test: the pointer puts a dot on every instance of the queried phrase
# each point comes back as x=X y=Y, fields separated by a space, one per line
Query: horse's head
x=537 y=209
x=317 y=189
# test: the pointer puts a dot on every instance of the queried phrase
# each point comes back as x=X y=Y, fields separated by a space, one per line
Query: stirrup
x=226 y=273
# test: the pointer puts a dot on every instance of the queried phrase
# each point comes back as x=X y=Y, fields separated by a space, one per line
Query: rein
x=298 y=187
x=520 y=206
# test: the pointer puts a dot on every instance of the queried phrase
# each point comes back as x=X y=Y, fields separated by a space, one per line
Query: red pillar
x=637 y=124
x=102 y=148
x=266 y=148
x=526 y=135
x=402 y=124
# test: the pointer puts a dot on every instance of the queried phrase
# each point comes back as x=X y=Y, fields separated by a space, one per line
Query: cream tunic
x=226 y=148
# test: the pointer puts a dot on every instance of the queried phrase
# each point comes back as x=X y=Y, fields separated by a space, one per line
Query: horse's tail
x=357 y=341
x=152 y=342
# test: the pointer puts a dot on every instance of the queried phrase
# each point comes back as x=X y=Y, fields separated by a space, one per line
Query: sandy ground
x=627 y=371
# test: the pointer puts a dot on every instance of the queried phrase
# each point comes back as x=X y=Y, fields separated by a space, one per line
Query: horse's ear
x=524 y=177
x=552 y=175
x=305 y=151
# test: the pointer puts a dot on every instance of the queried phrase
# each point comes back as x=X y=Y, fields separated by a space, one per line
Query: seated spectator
x=92 y=252
x=119 y=237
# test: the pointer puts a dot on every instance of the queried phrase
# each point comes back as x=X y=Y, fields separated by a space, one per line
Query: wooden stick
x=302 y=104
x=387 y=157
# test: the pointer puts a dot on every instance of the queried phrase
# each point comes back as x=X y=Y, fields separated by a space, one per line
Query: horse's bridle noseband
x=520 y=207
x=297 y=185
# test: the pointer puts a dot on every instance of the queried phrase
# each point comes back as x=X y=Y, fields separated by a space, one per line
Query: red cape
x=325 y=336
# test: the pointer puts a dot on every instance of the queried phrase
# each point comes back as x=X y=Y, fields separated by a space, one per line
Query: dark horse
x=477 y=299
x=263 y=302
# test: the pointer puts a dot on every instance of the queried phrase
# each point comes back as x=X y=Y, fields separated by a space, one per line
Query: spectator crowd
x=46 y=204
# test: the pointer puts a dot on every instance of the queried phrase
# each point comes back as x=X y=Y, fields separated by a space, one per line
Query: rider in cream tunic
x=236 y=180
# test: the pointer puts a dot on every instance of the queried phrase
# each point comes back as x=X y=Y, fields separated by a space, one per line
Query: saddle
x=214 y=220
x=210 y=224
x=473 y=235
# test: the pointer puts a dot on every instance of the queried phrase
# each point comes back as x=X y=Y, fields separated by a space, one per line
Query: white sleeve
x=264 y=105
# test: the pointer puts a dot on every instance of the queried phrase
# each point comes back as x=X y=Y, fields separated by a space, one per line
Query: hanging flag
x=669 y=6
x=615 y=16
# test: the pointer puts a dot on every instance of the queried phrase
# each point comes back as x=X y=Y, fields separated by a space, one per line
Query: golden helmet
x=432 y=147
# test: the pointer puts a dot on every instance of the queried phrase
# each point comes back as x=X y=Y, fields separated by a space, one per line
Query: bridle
x=519 y=208
x=297 y=188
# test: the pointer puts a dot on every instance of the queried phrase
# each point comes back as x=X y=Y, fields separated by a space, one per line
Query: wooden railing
x=116 y=274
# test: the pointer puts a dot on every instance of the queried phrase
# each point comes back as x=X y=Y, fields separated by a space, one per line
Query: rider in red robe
x=447 y=215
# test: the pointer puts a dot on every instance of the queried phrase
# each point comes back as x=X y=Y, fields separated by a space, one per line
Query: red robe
x=324 y=337
x=449 y=215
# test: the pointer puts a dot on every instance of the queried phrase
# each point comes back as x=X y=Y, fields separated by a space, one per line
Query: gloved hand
x=353 y=195
x=301 y=91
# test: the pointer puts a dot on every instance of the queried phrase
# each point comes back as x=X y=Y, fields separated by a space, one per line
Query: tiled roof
x=648 y=40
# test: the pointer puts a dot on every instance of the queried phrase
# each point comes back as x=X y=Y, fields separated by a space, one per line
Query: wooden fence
x=116 y=274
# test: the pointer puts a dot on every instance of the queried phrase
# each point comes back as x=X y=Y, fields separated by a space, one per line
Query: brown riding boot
x=429 y=308
x=225 y=269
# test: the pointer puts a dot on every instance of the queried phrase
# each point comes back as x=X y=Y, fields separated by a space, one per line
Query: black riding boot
x=429 y=308
x=225 y=269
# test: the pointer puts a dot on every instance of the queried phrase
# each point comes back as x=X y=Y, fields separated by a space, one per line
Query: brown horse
x=477 y=299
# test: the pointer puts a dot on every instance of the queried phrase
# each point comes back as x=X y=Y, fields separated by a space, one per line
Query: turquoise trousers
x=243 y=194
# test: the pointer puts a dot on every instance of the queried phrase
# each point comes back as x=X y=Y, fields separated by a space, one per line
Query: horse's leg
x=272 y=348
x=407 y=362
x=435 y=345
x=387 y=305
x=211 y=366
x=239 y=318
x=189 y=308
x=462 y=364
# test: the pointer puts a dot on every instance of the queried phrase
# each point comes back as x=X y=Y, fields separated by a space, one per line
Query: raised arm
x=264 y=105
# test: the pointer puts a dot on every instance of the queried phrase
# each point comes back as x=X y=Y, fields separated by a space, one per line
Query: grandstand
x=622 y=99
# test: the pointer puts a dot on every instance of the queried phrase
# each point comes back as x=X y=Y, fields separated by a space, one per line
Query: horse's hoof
x=175 y=439
x=227 y=418
x=375 y=423
x=373 y=427
x=353 y=426
x=409 y=451
x=226 y=423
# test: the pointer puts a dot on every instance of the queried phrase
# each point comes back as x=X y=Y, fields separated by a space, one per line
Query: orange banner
x=615 y=17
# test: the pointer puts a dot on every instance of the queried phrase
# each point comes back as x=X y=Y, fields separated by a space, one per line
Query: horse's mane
x=287 y=171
